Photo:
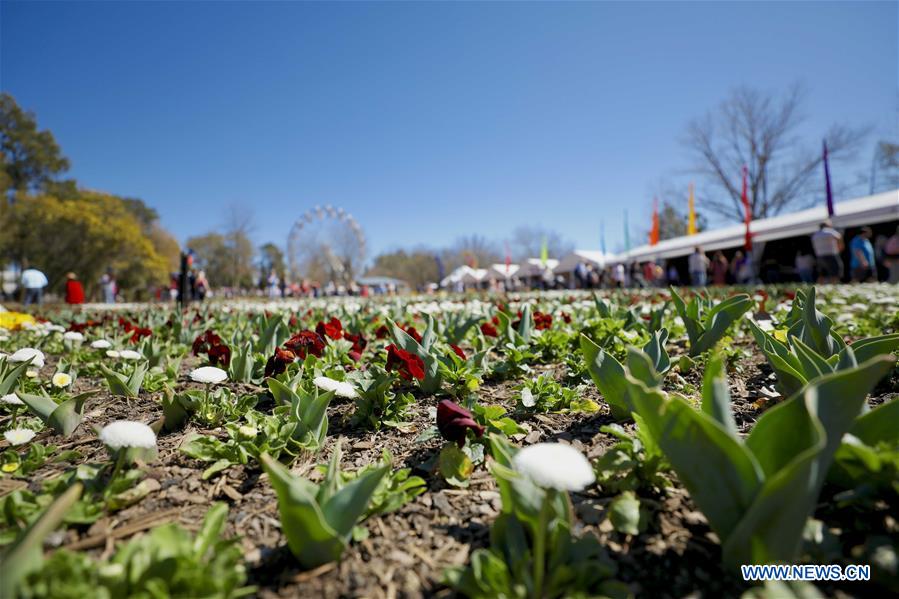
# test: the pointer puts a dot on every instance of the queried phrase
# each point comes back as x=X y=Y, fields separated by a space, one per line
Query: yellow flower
x=14 y=320
x=61 y=379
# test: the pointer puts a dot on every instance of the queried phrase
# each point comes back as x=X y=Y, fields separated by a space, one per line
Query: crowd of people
x=33 y=283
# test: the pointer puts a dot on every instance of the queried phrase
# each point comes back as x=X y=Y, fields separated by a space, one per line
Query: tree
x=673 y=222
x=87 y=235
x=31 y=157
x=527 y=242
x=416 y=267
x=759 y=130
x=886 y=166
x=271 y=258
x=474 y=250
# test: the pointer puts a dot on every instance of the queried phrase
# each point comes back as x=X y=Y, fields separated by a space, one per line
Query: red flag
x=654 y=232
x=747 y=209
x=508 y=258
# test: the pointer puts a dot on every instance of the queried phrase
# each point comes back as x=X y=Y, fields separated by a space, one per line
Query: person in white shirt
x=828 y=243
x=805 y=267
x=34 y=282
x=698 y=264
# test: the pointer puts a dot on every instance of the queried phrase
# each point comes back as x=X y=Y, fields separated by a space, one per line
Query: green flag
x=544 y=252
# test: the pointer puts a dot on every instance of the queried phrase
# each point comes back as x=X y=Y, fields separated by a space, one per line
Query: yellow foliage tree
x=86 y=234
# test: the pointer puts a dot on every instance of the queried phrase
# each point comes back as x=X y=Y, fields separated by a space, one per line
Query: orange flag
x=654 y=232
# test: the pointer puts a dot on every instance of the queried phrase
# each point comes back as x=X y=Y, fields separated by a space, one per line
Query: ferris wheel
x=325 y=244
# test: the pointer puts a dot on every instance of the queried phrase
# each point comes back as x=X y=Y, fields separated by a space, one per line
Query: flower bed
x=538 y=445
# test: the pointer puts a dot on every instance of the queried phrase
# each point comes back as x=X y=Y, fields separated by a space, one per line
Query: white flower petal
x=555 y=465
x=127 y=433
x=208 y=374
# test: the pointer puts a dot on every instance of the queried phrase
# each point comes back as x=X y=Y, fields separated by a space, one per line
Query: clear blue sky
x=426 y=121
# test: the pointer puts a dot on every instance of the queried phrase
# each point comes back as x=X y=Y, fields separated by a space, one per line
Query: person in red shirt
x=74 y=290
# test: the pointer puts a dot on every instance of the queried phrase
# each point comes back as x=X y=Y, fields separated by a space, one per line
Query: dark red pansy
x=453 y=421
x=382 y=331
x=138 y=333
x=333 y=328
x=489 y=330
x=566 y=317
x=410 y=330
x=279 y=362
x=219 y=355
x=354 y=356
x=407 y=364
x=359 y=342
x=542 y=321
x=458 y=351
x=304 y=343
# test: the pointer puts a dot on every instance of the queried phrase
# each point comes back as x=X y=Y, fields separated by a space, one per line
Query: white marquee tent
x=882 y=207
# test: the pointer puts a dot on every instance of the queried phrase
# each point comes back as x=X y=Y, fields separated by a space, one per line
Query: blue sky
x=426 y=121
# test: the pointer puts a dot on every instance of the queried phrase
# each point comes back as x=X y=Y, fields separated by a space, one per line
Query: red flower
x=453 y=421
x=458 y=351
x=137 y=333
x=407 y=364
x=205 y=341
x=542 y=321
x=410 y=330
x=219 y=355
x=279 y=362
x=306 y=342
x=333 y=328
x=382 y=331
x=566 y=317
x=489 y=330
x=359 y=342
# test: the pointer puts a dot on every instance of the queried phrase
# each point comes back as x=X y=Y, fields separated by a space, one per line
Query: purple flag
x=827 y=182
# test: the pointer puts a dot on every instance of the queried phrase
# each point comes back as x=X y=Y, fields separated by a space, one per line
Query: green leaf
x=347 y=506
x=625 y=514
x=213 y=525
x=716 y=396
x=311 y=539
x=10 y=376
x=865 y=349
x=454 y=465
x=721 y=475
x=609 y=377
x=25 y=555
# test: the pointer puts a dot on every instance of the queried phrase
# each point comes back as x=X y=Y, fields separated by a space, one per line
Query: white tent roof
x=501 y=271
x=534 y=267
x=851 y=213
x=456 y=275
x=569 y=261
x=474 y=275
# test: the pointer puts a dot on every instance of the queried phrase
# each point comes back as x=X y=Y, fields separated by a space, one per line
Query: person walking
x=74 y=290
x=861 y=256
x=891 y=257
x=698 y=263
x=805 y=266
x=827 y=244
x=719 y=268
x=107 y=286
x=34 y=282
x=202 y=285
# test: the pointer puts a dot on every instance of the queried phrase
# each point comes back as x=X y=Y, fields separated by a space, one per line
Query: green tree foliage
x=416 y=267
x=673 y=222
x=227 y=259
x=31 y=157
x=271 y=258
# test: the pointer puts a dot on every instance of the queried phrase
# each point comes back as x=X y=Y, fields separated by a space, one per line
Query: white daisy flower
x=127 y=433
x=28 y=353
x=54 y=328
x=18 y=436
x=208 y=374
x=12 y=399
x=111 y=353
x=555 y=465
x=340 y=388
x=101 y=344
x=61 y=379
x=74 y=336
x=130 y=354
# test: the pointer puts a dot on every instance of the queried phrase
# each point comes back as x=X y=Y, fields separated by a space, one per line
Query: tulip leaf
x=433 y=379
x=865 y=349
x=454 y=465
x=721 y=475
x=26 y=555
x=348 y=505
x=9 y=376
x=716 y=396
x=608 y=376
